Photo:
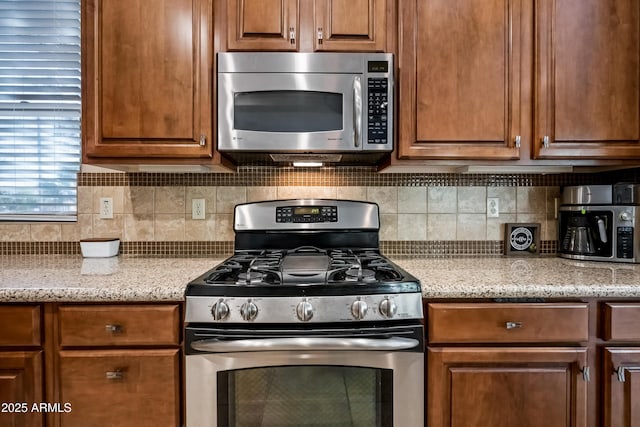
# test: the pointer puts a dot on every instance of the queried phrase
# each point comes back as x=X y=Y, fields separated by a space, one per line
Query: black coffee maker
x=586 y=233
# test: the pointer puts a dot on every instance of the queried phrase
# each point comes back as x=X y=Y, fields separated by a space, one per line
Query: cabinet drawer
x=507 y=323
x=622 y=321
x=108 y=325
x=110 y=387
x=25 y=325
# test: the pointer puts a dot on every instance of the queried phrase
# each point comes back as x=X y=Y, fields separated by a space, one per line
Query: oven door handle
x=305 y=343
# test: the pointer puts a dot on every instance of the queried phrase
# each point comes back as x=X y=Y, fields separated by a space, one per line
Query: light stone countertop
x=40 y=278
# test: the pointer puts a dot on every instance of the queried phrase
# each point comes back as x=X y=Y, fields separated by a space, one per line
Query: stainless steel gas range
x=307 y=324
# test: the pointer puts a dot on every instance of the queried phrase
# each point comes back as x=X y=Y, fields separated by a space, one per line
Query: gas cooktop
x=338 y=275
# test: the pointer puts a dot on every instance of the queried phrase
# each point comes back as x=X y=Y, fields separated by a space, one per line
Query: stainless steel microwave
x=276 y=102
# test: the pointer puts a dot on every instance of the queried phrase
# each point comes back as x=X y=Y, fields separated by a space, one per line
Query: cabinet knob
x=292 y=35
x=545 y=141
x=118 y=374
x=513 y=325
x=114 y=329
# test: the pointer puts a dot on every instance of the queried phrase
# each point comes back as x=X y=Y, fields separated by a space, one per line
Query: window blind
x=39 y=109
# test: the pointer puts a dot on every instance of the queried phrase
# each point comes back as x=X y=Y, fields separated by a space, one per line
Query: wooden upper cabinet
x=147 y=80
x=262 y=25
x=587 y=79
x=459 y=79
x=294 y=25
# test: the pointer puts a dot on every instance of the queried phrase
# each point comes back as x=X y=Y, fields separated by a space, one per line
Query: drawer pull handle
x=114 y=329
x=115 y=375
x=620 y=372
x=513 y=325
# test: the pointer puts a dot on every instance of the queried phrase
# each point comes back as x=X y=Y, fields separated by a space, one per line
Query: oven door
x=289 y=112
x=325 y=378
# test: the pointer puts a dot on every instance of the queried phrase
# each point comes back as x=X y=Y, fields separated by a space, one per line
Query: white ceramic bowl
x=100 y=247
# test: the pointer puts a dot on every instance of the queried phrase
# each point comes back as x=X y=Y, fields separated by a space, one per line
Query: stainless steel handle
x=586 y=374
x=517 y=141
x=115 y=375
x=602 y=230
x=203 y=140
x=114 y=329
x=320 y=35
x=513 y=325
x=620 y=372
x=545 y=141
x=292 y=35
x=357 y=110
x=305 y=343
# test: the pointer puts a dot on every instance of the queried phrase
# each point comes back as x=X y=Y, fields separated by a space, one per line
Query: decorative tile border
x=218 y=248
x=349 y=176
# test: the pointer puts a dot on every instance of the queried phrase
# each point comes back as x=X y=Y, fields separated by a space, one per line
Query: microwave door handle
x=304 y=343
x=357 y=110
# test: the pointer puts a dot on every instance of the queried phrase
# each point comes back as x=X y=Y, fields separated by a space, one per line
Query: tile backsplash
x=438 y=213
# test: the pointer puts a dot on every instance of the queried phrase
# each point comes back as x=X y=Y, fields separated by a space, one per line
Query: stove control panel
x=310 y=309
x=309 y=214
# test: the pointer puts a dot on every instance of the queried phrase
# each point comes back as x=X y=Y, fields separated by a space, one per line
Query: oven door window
x=318 y=396
x=287 y=111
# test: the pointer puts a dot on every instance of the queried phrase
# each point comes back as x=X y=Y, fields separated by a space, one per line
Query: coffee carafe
x=581 y=237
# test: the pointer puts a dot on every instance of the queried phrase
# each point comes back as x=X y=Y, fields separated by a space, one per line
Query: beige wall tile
x=385 y=197
x=46 y=232
x=351 y=193
x=412 y=226
x=209 y=194
x=412 y=200
x=199 y=230
x=108 y=227
x=471 y=226
x=170 y=200
x=223 y=228
x=85 y=200
x=536 y=217
x=388 y=227
x=228 y=197
x=472 y=200
x=495 y=226
x=306 y=192
x=169 y=227
x=531 y=199
x=139 y=200
x=441 y=227
x=442 y=200
x=258 y=194
x=138 y=227
x=81 y=229
x=15 y=233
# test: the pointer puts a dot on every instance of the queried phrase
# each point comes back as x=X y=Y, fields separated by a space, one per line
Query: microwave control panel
x=378 y=90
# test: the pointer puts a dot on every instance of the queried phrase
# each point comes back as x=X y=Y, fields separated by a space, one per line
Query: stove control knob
x=249 y=311
x=388 y=308
x=626 y=216
x=359 y=309
x=304 y=310
x=220 y=310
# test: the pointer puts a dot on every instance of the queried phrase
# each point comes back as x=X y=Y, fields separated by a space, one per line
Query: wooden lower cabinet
x=120 y=387
x=621 y=378
x=20 y=388
x=523 y=386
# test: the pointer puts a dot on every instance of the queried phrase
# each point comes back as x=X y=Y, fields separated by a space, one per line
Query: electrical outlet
x=106 y=208
x=493 y=207
x=197 y=209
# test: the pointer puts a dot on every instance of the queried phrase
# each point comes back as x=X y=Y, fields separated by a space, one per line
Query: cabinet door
x=20 y=388
x=147 y=78
x=621 y=377
x=262 y=25
x=351 y=25
x=587 y=79
x=113 y=387
x=506 y=387
x=460 y=95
